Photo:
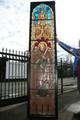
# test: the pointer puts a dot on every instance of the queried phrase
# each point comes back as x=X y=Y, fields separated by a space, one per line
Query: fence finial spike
x=2 y=49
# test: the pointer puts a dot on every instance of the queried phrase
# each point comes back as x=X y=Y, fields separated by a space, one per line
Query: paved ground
x=14 y=112
x=19 y=111
x=68 y=84
x=64 y=102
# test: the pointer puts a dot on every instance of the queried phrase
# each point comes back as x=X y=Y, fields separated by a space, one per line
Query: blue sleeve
x=67 y=47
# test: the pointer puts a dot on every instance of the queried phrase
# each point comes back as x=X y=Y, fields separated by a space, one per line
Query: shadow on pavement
x=14 y=112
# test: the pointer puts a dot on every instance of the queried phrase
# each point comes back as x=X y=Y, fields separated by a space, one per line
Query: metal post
x=61 y=77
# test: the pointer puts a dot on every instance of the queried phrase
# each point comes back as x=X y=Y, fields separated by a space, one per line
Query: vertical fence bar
x=9 y=92
x=62 y=85
x=12 y=74
x=61 y=77
x=9 y=75
x=16 y=74
x=2 y=92
x=3 y=81
x=24 y=73
x=0 y=82
x=1 y=77
x=6 y=82
x=19 y=74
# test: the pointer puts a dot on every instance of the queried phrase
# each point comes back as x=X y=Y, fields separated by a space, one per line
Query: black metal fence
x=13 y=76
x=67 y=80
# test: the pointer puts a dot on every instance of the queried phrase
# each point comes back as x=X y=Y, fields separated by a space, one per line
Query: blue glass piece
x=36 y=15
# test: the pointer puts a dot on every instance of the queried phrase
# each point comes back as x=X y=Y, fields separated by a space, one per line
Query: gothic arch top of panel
x=42 y=12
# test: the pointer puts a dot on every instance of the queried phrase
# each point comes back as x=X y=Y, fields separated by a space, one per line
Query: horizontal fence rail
x=13 y=76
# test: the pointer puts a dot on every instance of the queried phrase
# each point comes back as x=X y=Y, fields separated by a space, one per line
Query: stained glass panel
x=42 y=77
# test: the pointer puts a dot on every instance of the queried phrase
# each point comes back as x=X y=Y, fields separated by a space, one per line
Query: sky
x=14 y=23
